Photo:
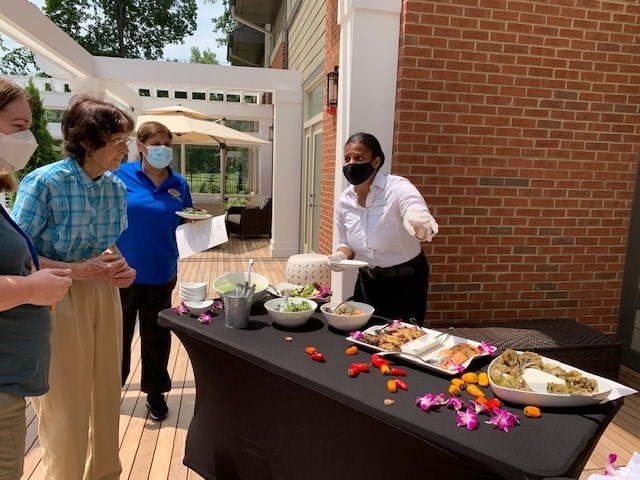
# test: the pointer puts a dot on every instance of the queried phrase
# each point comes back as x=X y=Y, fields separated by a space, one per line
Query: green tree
x=124 y=28
x=206 y=56
x=45 y=153
x=223 y=24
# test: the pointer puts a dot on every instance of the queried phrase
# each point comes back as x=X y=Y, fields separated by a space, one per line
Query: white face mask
x=16 y=150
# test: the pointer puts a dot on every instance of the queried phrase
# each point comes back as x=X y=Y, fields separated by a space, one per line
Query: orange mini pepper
x=352 y=350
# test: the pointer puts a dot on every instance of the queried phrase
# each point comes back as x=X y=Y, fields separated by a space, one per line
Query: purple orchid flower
x=204 y=318
x=181 y=309
x=486 y=347
x=611 y=468
x=477 y=407
x=467 y=418
x=502 y=419
x=357 y=335
x=427 y=402
x=455 y=403
x=218 y=304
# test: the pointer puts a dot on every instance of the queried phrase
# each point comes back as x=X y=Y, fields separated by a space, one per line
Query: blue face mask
x=159 y=156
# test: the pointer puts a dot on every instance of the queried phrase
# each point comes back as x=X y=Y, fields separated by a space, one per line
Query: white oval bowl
x=289 y=319
x=347 y=323
x=196 y=308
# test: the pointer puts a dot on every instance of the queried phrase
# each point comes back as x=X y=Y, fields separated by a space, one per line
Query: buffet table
x=265 y=410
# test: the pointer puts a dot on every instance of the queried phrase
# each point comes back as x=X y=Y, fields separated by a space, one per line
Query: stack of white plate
x=193 y=292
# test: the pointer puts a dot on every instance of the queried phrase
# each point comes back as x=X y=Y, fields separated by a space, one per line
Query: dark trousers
x=144 y=302
x=398 y=292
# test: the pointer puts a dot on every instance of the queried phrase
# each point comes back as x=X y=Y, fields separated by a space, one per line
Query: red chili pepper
x=491 y=404
x=353 y=372
x=317 y=356
x=378 y=361
x=401 y=384
x=398 y=372
x=360 y=367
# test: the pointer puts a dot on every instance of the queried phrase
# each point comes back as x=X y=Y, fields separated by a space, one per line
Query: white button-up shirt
x=375 y=233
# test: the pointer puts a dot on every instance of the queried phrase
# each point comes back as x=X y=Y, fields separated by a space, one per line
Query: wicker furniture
x=249 y=221
x=562 y=339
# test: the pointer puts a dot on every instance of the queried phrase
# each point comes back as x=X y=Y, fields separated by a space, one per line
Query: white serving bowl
x=196 y=308
x=227 y=283
x=347 y=323
x=289 y=319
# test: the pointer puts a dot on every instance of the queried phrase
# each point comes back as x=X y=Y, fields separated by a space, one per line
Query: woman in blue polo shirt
x=154 y=194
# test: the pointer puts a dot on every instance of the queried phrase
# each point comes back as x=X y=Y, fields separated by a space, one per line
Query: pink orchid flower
x=467 y=418
x=204 y=318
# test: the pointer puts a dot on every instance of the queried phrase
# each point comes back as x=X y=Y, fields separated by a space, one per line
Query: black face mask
x=357 y=173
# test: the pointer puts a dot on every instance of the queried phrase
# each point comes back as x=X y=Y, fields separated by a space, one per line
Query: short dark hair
x=87 y=124
x=370 y=142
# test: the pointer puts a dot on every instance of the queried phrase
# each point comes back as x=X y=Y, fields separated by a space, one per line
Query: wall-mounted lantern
x=332 y=91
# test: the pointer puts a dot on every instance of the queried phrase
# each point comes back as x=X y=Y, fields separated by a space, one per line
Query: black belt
x=387 y=272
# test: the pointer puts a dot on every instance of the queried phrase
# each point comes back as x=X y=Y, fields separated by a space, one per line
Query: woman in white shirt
x=382 y=219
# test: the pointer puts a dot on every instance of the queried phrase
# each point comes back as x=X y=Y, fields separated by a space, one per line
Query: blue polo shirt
x=149 y=242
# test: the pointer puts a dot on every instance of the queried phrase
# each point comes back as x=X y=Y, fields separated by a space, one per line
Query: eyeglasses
x=119 y=141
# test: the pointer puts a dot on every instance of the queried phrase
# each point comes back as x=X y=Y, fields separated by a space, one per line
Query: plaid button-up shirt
x=69 y=216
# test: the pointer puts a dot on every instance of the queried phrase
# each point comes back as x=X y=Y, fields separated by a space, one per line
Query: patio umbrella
x=190 y=126
x=187 y=128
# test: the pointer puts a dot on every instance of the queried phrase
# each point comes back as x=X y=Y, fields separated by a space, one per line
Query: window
x=198 y=96
x=144 y=92
x=202 y=169
x=216 y=97
x=233 y=97
x=180 y=94
x=163 y=93
x=315 y=101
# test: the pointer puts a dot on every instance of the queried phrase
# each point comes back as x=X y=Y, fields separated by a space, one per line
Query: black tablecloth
x=265 y=410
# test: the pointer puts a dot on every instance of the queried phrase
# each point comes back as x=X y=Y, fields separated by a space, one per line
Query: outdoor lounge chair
x=250 y=221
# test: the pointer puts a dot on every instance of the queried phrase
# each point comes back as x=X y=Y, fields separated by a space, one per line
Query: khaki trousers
x=78 y=418
x=13 y=429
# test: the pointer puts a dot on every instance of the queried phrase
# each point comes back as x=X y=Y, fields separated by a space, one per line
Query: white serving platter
x=608 y=390
x=347 y=264
x=443 y=342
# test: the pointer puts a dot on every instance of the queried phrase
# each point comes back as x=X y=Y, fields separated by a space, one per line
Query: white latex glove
x=420 y=224
x=335 y=258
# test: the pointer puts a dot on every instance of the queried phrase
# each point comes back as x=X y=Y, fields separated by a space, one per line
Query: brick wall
x=519 y=122
x=332 y=57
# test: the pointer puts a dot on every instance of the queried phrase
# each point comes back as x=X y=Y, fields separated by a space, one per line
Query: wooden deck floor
x=154 y=451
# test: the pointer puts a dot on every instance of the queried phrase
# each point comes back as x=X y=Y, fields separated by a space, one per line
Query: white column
x=287 y=168
x=369 y=41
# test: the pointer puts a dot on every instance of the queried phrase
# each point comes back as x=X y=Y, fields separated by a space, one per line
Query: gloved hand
x=334 y=258
x=420 y=224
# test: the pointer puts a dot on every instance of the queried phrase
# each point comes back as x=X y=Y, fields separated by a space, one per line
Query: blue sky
x=203 y=37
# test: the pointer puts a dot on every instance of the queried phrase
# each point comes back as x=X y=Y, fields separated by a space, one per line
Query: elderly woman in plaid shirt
x=75 y=210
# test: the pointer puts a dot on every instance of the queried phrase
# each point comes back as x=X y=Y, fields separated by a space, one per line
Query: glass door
x=312 y=174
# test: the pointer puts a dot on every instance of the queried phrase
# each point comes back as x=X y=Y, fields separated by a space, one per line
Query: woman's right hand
x=49 y=285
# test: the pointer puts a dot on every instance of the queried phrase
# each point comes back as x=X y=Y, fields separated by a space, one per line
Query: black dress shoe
x=157 y=406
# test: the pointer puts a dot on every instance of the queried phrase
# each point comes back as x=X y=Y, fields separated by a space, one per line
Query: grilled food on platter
x=393 y=337
x=507 y=372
